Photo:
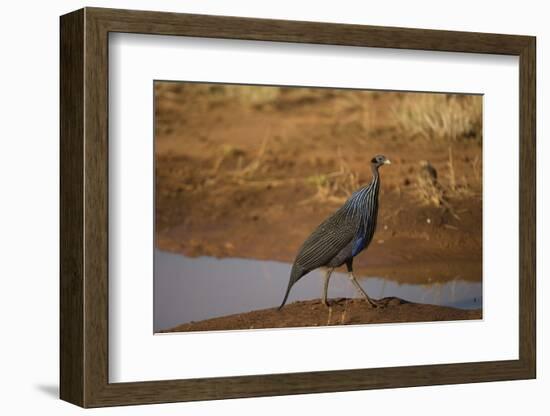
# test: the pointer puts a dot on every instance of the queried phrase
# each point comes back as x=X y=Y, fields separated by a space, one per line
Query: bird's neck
x=356 y=204
x=375 y=175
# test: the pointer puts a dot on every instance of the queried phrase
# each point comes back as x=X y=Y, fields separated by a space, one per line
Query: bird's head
x=379 y=160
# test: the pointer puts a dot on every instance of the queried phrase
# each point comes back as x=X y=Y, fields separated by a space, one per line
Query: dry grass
x=428 y=190
x=440 y=116
x=250 y=94
x=462 y=187
x=362 y=104
x=431 y=189
x=332 y=187
x=335 y=187
x=194 y=93
x=243 y=173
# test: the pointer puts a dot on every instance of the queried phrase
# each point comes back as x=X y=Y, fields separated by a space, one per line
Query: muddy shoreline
x=341 y=312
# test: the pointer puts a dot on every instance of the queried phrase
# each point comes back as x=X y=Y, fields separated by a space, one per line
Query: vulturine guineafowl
x=342 y=236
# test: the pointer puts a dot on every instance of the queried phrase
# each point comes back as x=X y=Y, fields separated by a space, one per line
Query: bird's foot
x=374 y=303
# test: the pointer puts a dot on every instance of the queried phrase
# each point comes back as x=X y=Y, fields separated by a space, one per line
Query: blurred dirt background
x=249 y=171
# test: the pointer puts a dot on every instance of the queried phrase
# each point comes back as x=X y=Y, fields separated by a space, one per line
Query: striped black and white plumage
x=342 y=236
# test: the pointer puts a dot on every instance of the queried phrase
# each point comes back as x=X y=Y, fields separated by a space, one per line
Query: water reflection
x=192 y=289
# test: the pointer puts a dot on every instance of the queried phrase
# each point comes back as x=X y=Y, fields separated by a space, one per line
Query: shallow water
x=196 y=288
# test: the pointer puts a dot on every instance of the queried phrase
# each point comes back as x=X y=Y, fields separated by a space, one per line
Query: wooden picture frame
x=84 y=207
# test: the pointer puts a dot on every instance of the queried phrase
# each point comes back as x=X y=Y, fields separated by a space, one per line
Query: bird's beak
x=387 y=162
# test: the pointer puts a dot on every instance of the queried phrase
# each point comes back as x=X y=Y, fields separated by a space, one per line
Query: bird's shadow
x=51 y=390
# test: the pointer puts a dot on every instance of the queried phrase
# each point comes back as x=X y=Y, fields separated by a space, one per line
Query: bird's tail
x=295 y=274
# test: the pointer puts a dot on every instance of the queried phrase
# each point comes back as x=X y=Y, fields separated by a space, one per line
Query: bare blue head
x=379 y=160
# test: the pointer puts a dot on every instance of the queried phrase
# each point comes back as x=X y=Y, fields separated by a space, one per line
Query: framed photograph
x=254 y=207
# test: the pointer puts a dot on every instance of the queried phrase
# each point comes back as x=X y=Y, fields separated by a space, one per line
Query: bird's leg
x=370 y=301
x=328 y=272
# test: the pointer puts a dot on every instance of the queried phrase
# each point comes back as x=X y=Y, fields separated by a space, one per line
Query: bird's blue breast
x=358 y=245
x=362 y=207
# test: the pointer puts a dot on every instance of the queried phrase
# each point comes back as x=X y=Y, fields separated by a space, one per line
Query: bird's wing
x=325 y=242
